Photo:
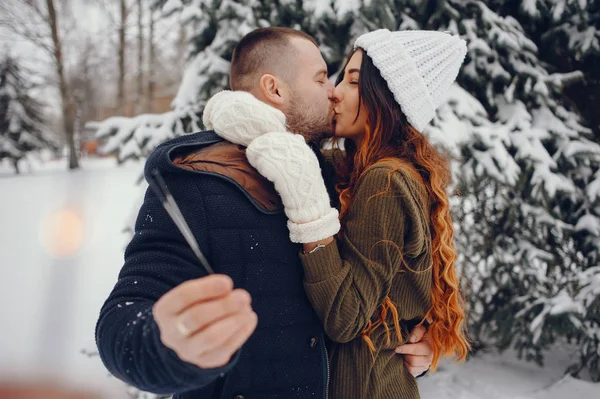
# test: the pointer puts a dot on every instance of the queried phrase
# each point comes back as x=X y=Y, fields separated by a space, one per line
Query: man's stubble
x=311 y=121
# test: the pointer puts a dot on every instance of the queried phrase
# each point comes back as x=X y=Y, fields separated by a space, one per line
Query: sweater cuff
x=189 y=372
x=322 y=264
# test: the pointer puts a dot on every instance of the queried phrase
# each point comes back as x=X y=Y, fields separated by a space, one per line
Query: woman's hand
x=239 y=117
x=286 y=160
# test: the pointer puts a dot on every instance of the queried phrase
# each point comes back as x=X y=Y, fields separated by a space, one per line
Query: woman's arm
x=349 y=278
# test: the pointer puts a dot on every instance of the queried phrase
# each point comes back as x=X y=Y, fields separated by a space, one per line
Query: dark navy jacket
x=286 y=355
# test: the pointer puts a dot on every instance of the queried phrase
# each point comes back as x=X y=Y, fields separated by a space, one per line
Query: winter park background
x=89 y=87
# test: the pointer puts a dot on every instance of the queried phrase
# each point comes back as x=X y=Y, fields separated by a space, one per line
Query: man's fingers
x=221 y=356
x=417 y=361
x=417 y=334
x=419 y=349
x=194 y=291
x=214 y=337
x=198 y=316
x=417 y=356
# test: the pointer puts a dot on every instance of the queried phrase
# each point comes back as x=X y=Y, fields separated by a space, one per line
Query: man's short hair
x=264 y=50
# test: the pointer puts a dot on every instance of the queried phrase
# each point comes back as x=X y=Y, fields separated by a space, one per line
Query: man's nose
x=335 y=95
x=331 y=97
x=330 y=94
x=330 y=88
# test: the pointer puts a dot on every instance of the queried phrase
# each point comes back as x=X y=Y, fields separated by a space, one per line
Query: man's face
x=309 y=110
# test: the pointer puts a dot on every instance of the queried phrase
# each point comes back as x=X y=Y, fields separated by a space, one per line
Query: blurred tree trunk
x=121 y=83
x=62 y=85
x=15 y=163
x=140 y=72
x=151 y=61
x=182 y=47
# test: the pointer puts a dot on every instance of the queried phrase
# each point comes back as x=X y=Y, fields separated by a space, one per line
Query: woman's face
x=345 y=97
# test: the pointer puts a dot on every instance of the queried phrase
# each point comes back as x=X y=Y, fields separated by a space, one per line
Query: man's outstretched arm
x=166 y=326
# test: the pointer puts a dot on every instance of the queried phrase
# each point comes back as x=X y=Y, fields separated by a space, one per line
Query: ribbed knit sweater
x=384 y=249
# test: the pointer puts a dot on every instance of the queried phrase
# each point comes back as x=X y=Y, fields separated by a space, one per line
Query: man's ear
x=272 y=90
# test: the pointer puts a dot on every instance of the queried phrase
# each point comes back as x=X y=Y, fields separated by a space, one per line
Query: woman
x=392 y=264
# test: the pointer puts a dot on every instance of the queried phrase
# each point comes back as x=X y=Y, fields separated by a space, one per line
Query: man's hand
x=418 y=354
x=205 y=321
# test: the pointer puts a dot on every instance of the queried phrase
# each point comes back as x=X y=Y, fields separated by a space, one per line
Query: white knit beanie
x=418 y=66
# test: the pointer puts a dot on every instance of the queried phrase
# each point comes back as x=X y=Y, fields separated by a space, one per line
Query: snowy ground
x=50 y=301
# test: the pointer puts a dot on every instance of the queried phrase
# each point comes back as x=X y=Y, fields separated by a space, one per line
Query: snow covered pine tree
x=533 y=266
x=22 y=129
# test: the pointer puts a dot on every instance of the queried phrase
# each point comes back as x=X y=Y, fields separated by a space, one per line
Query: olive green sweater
x=347 y=280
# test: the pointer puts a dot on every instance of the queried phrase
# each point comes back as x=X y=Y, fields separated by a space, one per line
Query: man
x=167 y=327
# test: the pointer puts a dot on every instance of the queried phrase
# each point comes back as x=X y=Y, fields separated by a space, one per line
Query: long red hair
x=389 y=136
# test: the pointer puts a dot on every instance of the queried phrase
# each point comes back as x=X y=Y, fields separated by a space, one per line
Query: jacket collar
x=229 y=160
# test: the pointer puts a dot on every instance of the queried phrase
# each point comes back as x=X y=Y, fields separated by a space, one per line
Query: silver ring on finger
x=183 y=330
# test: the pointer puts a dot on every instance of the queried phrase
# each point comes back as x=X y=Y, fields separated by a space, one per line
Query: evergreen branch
x=561 y=80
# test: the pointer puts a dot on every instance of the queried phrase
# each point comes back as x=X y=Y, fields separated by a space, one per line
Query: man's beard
x=304 y=120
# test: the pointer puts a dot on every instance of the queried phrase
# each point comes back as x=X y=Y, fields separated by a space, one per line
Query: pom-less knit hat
x=418 y=66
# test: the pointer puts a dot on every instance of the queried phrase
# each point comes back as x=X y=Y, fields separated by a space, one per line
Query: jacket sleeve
x=156 y=260
x=347 y=280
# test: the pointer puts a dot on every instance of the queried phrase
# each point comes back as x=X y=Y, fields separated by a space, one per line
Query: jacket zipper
x=328 y=372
